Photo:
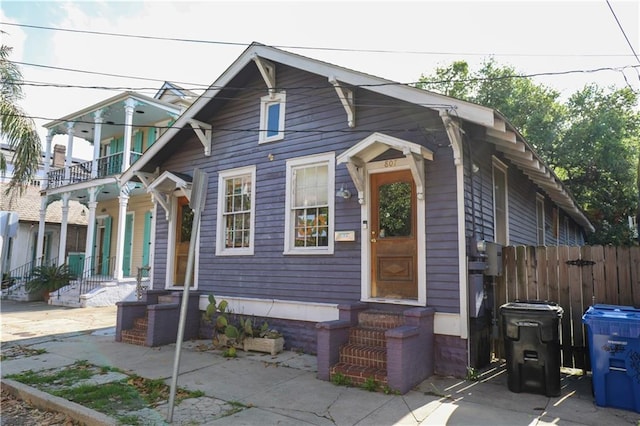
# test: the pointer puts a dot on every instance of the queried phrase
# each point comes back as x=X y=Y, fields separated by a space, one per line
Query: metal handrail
x=17 y=278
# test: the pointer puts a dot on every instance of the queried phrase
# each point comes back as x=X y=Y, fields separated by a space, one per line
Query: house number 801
x=390 y=163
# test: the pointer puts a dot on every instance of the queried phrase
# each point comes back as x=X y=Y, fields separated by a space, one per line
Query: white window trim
x=265 y=101
x=289 y=247
x=497 y=164
x=221 y=250
x=539 y=210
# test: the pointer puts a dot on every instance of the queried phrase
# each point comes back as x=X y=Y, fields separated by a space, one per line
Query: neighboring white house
x=19 y=250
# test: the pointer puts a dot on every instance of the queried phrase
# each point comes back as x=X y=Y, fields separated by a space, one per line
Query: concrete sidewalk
x=283 y=389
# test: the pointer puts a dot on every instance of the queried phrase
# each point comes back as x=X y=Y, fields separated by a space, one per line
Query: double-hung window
x=236 y=211
x=310 y=205
x=272 y=113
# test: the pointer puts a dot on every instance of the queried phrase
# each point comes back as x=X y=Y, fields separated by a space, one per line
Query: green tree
x=600 y=153
x=591 y=141
x=16 y=128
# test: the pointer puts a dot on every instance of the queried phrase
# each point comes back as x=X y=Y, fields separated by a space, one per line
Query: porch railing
x=106 y=166
x=96 y=272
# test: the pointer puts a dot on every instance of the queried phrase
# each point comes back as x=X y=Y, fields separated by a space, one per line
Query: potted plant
x=48 y=278
x=238 y=332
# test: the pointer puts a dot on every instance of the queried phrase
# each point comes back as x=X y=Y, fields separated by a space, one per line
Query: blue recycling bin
x=614 y=348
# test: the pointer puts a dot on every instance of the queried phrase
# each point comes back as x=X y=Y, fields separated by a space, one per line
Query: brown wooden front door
x=184 y=220
x=393 y=236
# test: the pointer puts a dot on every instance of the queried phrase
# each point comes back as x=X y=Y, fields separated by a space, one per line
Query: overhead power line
x=623 y=32
x=333 y=49
x=200 y=87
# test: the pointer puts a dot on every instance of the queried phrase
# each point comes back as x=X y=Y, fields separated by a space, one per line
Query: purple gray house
x=361 y=216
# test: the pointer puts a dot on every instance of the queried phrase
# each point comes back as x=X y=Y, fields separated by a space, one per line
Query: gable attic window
x=272 y=113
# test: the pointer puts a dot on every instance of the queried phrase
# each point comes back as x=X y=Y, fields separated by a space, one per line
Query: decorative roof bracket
x=455 y=136
x=204 y=136
x=347 y=99
x=416 y=164
x=268 y=71
x=355 y=167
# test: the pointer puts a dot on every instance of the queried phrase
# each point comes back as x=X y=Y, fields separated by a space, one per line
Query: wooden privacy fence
x=573 y=277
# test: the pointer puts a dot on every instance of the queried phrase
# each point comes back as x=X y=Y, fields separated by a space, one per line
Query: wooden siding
x=315 y=123
x=521 y=203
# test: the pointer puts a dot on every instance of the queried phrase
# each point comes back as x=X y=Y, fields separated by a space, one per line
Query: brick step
x=364 y=356
x=134 y=337
x=358 y=374
x=138 y=334
x=368 y=336
x=141 y=323
x=380 y=319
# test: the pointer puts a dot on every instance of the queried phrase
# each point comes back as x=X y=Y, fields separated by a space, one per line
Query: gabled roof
x=175 y=90
x=497 y=128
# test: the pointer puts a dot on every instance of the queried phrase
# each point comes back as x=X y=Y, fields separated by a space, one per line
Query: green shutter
x=106 y=246
x=137 y=142
x=95 y=247
x=151 y=136
x=128 y=238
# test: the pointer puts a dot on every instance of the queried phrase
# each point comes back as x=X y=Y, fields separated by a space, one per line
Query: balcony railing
x=106 y=166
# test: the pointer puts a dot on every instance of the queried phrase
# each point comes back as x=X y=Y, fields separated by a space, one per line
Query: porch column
x=123 y=200
x=128 y=129
x=62 y=249
x=97 y=137
x=41 y=229
x=68 y=159
x=47 y=159
x=91 y=226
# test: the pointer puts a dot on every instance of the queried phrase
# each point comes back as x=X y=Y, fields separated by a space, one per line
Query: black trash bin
x=531 y=331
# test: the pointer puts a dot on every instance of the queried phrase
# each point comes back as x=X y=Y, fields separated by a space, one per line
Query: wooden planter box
x=256 y=344
x=262 y=344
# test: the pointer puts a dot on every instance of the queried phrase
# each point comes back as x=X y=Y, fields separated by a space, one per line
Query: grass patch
x=20 y=351
x=115 y=398
x=340 y=380
x=370 y=384
x=108 y=398
x=80 y=370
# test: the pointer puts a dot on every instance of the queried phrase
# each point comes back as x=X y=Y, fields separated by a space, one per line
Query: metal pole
x=198 y=191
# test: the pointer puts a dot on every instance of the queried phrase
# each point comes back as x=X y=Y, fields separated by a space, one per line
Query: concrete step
x=380 y=319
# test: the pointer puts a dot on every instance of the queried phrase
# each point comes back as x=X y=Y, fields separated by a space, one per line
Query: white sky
x=532 y=36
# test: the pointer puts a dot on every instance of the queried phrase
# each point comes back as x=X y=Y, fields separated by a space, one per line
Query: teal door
x=146 y=241
x=128 y=243
x=76 y=264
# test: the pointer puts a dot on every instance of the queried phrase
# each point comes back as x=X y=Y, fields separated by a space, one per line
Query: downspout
x=455 y=138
